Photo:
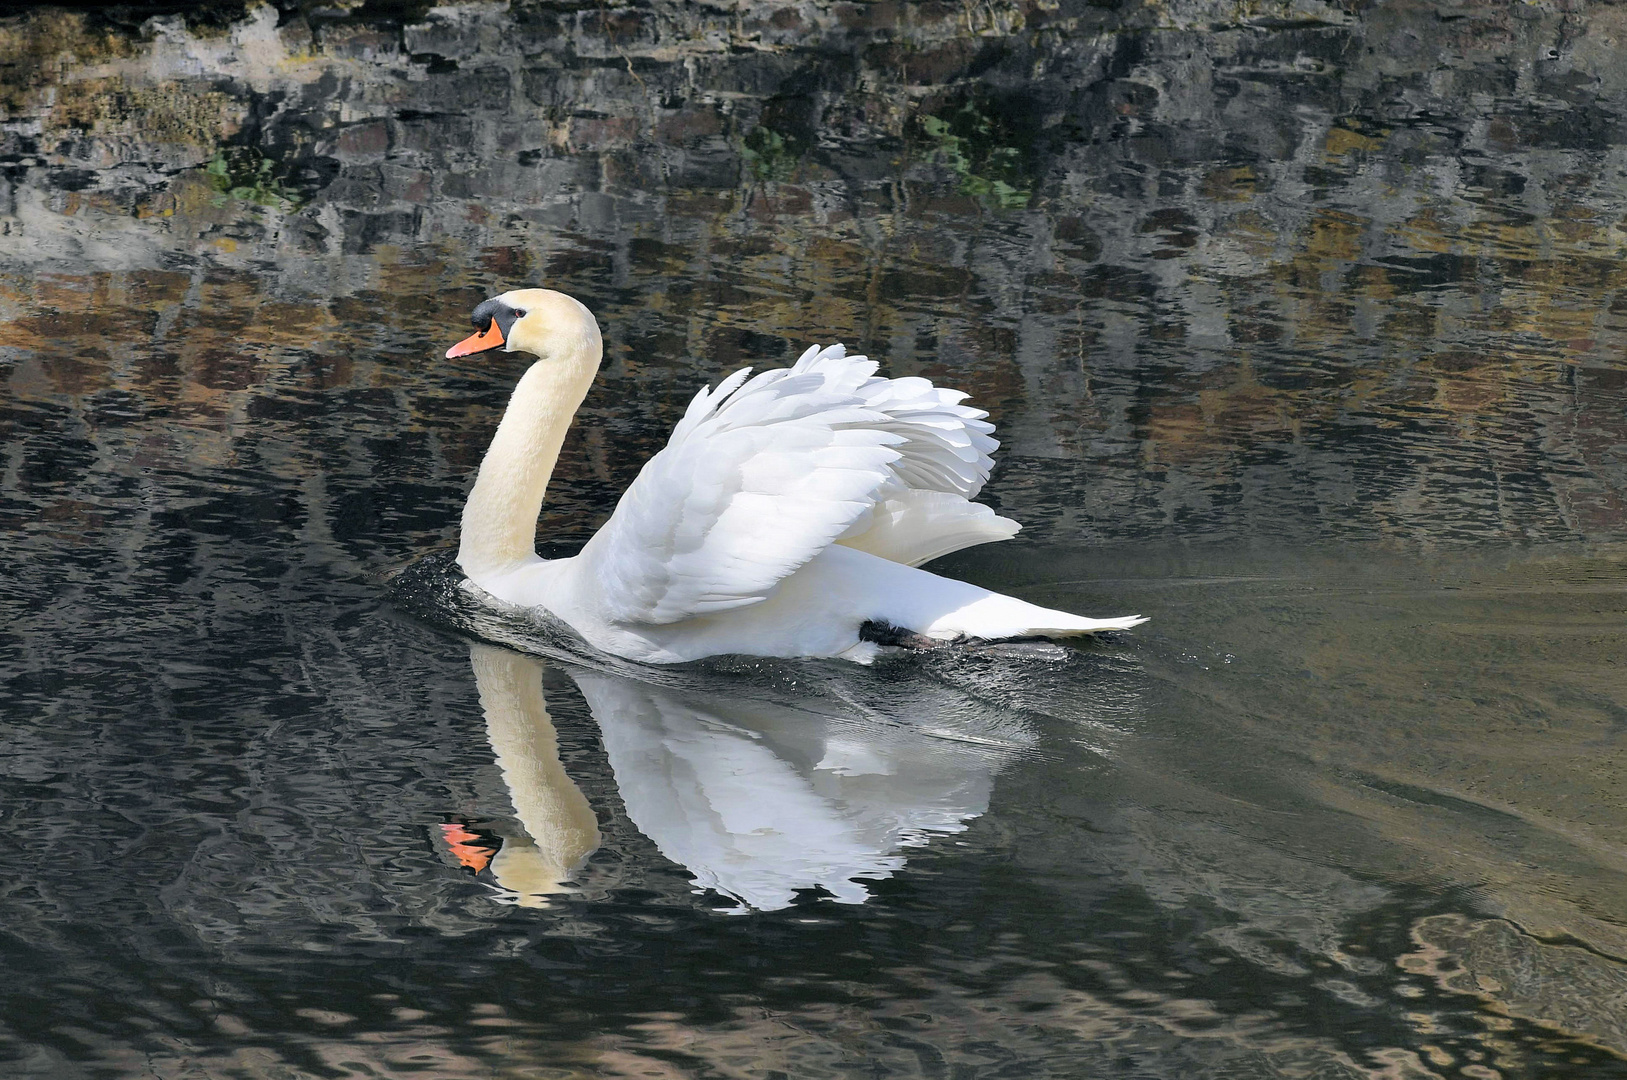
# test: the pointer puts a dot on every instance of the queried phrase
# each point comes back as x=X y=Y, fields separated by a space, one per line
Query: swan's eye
x=519 y=314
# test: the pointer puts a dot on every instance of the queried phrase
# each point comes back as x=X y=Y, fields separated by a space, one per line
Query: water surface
x=1302 y=328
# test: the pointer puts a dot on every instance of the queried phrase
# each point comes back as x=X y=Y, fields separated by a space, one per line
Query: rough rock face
x=510 y=102
x=1168 y=244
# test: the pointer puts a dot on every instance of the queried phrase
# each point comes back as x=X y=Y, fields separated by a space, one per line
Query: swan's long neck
x=500 y=518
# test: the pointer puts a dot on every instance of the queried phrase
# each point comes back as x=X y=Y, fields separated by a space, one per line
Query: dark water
x=1304 y=330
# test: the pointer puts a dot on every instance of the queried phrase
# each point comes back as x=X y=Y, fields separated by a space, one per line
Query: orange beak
x=489 y=338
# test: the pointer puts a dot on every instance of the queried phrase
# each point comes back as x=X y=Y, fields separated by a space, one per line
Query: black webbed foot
x=885 y=633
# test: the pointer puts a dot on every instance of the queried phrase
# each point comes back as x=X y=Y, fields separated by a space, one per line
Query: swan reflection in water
x=759 y=800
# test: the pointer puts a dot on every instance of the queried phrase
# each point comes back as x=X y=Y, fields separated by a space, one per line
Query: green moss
x=990 y=154
x=241 y=172
x=770 y=155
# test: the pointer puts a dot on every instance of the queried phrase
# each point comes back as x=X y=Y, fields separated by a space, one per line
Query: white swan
x=786 y=516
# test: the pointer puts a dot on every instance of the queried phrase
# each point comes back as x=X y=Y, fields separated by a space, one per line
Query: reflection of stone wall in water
x=1215 y=269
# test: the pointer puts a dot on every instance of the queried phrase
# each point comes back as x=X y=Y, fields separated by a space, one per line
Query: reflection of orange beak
x=469 y=848
x=489 y=338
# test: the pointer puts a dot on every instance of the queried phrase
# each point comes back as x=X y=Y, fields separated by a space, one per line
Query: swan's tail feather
x=1123 y=622
x=995 y=617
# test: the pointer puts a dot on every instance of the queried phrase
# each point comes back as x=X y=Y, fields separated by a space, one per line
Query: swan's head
x=542 y=322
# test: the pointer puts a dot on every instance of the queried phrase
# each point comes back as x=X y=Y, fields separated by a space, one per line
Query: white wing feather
x=764 y=473
x=914 y=527
x=947 y=445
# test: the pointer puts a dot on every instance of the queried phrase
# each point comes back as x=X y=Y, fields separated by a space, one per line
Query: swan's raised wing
x=762 y=475
x=945 y=460
x=947 y=445
x=759 y=477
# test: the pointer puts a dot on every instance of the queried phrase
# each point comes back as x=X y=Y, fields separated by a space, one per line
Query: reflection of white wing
x=762 y=475
x=760 y=801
